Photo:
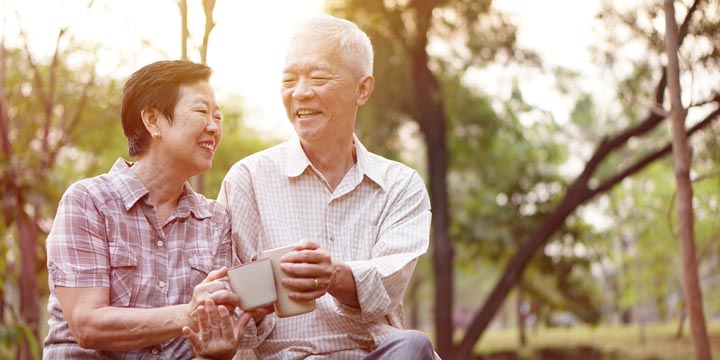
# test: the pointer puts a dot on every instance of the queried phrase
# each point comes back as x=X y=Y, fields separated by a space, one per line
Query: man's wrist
x=336 y=277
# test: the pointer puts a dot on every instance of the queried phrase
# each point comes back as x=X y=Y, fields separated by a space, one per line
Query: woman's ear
x=365 y=89
x=151 y=119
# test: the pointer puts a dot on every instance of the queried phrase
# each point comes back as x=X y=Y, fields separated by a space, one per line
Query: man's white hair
x=354 y=44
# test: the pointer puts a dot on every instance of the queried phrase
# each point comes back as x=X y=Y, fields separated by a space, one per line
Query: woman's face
x=189 y=142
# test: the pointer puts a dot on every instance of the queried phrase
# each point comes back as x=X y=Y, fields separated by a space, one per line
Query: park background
x=540 y=127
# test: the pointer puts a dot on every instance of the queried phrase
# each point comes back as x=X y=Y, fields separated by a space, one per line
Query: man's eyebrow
x=312 y=66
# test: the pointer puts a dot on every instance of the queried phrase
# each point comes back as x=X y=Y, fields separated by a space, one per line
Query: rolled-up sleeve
x=403 y=236
x=78 y=255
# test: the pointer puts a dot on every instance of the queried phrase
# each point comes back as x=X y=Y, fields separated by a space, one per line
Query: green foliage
x=503 y=174
x=16 y=334
x=85 y=138
x=238 y=141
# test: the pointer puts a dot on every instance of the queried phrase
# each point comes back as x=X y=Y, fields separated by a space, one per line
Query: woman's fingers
x=212 y=318
x=226 y=325
x=216 y=274
x=203 y=322
x=193 y=337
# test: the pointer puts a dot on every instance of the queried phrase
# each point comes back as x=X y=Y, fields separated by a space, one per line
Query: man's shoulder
x=273 y=154
x=391 y=169
x=260 y=165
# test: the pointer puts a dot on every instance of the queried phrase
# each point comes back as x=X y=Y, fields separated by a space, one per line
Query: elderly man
x=360 y=221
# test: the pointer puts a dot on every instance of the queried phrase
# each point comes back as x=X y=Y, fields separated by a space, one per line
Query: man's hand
x=310 y=271
x=259 y=313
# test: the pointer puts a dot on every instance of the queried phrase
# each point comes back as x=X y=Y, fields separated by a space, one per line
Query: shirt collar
x=298 y=162
x=368 y=165
x=132 y=190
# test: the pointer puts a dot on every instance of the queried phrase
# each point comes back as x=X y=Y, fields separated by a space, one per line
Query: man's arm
x=376 y=286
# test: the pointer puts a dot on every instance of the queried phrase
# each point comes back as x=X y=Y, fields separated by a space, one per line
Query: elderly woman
x=131 y=253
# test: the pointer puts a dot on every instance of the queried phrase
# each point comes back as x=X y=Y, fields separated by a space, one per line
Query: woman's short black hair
x=155 y=86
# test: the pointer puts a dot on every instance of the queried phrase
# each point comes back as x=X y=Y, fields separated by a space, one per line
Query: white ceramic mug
x=253 y=283
x=284 y=305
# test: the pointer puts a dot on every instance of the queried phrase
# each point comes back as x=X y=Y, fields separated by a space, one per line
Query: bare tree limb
x=208 y=7
x=577 y=193
x=4 y=136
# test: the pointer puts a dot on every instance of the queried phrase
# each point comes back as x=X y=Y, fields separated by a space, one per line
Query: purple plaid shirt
x=107 y=234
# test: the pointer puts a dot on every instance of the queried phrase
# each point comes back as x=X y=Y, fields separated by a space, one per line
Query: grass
x=602 y=342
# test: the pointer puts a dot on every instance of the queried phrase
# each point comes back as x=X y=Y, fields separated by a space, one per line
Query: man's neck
x=333 y=160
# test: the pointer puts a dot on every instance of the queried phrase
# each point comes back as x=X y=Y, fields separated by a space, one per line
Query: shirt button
x=155 y=351
x=160 y=243
x=162 y=284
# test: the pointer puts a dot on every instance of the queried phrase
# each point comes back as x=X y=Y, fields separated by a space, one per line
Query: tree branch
x=577 y=193
x=4 y=136
x=208 y=7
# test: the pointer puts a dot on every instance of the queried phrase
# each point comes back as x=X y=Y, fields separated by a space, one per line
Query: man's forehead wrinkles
x=298 y=66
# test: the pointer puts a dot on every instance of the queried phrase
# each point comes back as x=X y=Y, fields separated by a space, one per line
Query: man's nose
x=303 y=89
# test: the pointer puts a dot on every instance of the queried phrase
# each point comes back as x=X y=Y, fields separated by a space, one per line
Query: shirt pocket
x=200 y=266
x=359 y=242
x=123 y=272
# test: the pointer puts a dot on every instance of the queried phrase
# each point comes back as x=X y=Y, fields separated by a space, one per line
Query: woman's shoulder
x=97 y=188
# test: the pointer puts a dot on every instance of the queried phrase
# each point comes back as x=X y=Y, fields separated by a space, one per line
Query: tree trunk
x=577 y=193
x=208 y=8
x=413 y=321
x=640 y=303
x=184 y=32
x=198 y=181
x=432 y=121
x=29 y=302
x=681 y=321
x=27 y=230
x=522 y=335
x=683 y=159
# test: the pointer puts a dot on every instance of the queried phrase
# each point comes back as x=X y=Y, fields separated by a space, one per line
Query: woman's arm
x=97 y=325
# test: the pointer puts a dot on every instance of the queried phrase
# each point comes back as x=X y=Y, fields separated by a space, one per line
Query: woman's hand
x=213 y=288
x=218 y=335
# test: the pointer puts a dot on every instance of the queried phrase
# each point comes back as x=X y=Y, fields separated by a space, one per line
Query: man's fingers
x=264 y=310
x=241 y=324
x=307 y=245
x=306 y=295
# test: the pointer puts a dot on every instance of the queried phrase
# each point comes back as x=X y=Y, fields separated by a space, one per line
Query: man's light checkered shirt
x=377 y=221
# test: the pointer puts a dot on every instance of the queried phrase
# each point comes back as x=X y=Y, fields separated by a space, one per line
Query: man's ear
x=151 y=119
x=365 y=89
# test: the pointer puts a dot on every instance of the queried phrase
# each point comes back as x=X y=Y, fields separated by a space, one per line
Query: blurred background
x=541 y=128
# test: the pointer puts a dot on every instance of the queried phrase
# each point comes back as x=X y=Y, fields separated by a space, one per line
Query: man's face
x=319 y=92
